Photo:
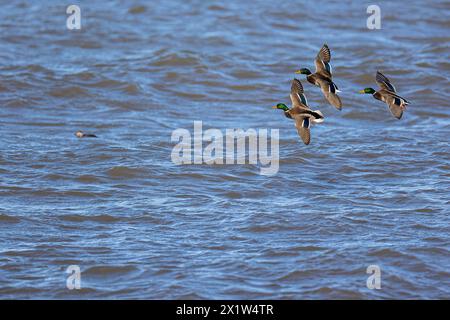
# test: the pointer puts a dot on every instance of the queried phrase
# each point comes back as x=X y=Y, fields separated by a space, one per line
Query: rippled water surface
x=369 y=189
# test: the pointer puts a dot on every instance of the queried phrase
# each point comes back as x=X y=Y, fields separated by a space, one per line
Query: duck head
x=303 y=71
x=281 y=106
x=367 y=91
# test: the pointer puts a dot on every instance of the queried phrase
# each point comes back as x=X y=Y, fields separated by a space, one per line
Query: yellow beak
x=361 y=91
x=274 y=107
x=298 y=71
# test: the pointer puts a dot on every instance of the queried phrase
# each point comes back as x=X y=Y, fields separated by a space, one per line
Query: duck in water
x=81 y=134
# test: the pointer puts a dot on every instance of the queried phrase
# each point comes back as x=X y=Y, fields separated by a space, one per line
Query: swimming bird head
x=303 y=71
x=367 y=90
x=79 y=134
x=281 y=106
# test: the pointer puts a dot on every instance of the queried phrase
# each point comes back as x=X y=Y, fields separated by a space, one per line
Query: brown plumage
x=300 y=112
x=388 y=94
x=323 y=77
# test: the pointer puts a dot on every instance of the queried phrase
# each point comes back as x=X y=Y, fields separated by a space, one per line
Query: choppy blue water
x=369 y=189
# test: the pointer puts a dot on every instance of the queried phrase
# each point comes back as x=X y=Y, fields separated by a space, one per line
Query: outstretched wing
x=298 y=98
x=396 y=110
x=322 y=61
x=396 y=104
x=329 y=90
x=384 y=82
x=303 y=124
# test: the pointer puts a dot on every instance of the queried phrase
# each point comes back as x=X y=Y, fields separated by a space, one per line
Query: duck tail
x=332 y=88
x=320 y=118
x=336 y=87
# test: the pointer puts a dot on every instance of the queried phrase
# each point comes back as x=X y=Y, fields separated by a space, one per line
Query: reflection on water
x=368 y=190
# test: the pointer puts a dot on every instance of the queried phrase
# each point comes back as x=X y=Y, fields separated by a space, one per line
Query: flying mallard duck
x=323 y=77
x=304 y=117
x=388 y=94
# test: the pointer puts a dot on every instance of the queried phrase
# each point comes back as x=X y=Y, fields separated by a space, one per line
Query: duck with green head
x=323 y=77
x=387 y=94
x=300 y=112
